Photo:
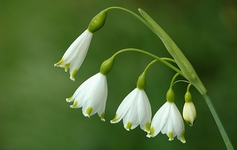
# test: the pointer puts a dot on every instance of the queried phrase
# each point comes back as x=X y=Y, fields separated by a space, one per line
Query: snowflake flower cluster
x=135 y=109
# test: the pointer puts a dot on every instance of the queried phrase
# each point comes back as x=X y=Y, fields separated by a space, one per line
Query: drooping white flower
x=168 y=120
x=189 y=110
x=135 y=110
x=189 y=113
x=75 y=54
x=91 y=95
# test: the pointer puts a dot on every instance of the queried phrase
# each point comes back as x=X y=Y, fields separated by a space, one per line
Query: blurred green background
x=34 y=34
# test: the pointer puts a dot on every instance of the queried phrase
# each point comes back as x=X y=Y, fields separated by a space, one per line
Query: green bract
x=98 y=21
x=170 y=95
x=183 y=63
x=107 y=65
x=141 y=81
x=188 y=97
x=135 y=109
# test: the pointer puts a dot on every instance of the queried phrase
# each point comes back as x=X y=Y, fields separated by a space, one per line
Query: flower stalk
x=186 y=68
x=221 y=128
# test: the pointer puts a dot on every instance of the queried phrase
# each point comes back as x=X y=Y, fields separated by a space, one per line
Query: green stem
x=132 y=13
x=187 y=70
x=173 y=79
x=189 y=85
x=142 y=78
x=149 y=65
x=183 y=63
x=224 y=135
x=156 y=60
x=163 y=60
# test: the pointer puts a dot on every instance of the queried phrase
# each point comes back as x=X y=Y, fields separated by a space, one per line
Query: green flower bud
x=170 y=95
x=106 y=66
x=98 y=21
x=141 y=81
x=189 y=110
x=188 y=97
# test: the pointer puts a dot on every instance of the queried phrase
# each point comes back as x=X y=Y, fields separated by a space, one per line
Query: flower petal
x=168 y=120
x=134 y=110
x=91 y=96
x=75 y=54
x=144 y=113
x=125 y=106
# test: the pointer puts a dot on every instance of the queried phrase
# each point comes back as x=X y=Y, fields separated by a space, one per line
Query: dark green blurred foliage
x=34 y=34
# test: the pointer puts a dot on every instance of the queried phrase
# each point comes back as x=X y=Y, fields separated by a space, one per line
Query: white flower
x=189 y=113
x=75 y=54
x=135 y=109
x=91 y=96
x=168 y=120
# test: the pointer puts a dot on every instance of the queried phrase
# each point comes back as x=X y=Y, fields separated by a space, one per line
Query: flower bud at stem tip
x=107 y=66
x=170 y=95
x=141 y=81
x=98 y=21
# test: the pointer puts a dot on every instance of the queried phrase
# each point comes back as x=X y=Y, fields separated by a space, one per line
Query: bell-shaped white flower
x=168 y=120
x=189 y=113
x=135 y=110
x=189 y=110
x=91 y=96
x=75 y=54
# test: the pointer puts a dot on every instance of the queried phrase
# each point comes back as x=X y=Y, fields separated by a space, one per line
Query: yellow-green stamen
x=152 y=130
x=102 y=116
x=74 y=74
x=89 y=110
x=147 y=127
x=170 y=135
x=66 y=67
x=74 y=104
x=115 y=118
x=182 y=138
x=128 y=126
x=59 y=63
x=70 y=98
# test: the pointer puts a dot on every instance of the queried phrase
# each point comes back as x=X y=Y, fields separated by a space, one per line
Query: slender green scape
x=186 y=69
x=188 y=72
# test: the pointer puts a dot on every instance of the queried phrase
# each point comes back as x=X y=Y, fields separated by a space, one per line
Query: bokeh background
x=34 y=34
